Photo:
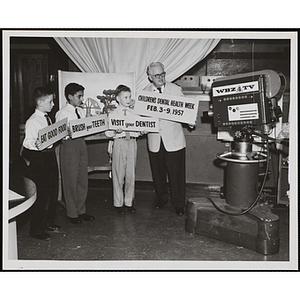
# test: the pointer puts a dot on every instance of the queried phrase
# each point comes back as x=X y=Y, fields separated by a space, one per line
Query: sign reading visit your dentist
x=91 y=125
x=169 y=107
x=134 y=123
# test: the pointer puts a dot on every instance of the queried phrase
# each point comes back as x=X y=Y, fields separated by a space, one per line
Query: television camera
x=246 y=104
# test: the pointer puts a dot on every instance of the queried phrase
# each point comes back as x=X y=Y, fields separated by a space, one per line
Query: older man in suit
x=167 y=148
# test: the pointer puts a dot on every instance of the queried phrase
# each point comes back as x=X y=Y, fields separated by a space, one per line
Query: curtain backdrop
x=123 y=55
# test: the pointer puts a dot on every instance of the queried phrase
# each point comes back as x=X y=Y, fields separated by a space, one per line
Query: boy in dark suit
x=43 y=170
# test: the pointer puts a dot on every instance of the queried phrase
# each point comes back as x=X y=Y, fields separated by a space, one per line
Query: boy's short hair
x=41 y=92
x=122 y=88
x=72 y=88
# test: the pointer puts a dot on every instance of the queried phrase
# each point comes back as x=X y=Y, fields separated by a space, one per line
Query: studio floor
x=147 y=235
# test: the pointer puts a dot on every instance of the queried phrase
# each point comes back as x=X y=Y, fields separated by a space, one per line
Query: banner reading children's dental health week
x=169 y=107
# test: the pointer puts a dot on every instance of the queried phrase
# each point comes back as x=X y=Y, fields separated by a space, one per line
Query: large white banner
x=98 y=97
x=164 y=106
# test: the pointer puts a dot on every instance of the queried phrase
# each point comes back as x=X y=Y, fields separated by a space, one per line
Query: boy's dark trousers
x=43 y=171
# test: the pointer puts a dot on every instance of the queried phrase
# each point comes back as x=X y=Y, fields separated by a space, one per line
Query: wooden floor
x=155 y=237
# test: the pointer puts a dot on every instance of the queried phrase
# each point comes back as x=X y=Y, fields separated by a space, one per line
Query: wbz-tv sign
x=236 y=89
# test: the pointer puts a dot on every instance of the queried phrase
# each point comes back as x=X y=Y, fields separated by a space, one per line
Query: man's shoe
x=120 y=210
x=61 y=204
x=75 y=220
x=53 y=228
x=131 y=209
x=179 y=211
x=165 y=199
x=159 y=204
x=86 y=217
x=162 y=201
x=43 y=237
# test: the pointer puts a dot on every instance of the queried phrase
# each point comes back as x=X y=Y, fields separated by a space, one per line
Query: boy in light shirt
x=124 y=155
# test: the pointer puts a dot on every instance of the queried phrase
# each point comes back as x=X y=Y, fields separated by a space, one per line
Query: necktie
x=159 y=89
x=48 y=119
x=127 y=134
x=49 y=123
x=77 y=113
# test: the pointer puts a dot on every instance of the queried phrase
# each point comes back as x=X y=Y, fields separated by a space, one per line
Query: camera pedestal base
x=257 y=230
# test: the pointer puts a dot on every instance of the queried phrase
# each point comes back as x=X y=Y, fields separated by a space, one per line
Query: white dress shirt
x=68 y=111
x=36 y=122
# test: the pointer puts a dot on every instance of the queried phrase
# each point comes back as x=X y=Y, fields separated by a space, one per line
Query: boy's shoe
x=43 y=236
x=86 y=217
x=53 y=228
x=75 y=220
x=61 y=204
x=131 y=209
x=120 y=210
x=179 y=211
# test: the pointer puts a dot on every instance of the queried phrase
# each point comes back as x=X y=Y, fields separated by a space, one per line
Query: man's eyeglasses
x=157 y=76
